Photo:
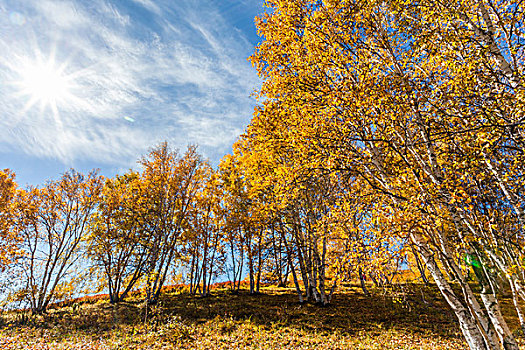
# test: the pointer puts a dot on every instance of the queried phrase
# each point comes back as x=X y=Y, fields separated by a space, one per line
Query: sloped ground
x=408 y=317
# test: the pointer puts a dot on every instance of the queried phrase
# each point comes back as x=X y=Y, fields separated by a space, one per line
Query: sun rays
x=45 y=83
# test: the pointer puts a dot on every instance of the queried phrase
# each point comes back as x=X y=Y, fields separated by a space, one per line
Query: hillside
x=405 y=317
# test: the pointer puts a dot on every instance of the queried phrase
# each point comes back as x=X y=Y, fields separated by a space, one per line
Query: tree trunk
x=493 y=309
x=420 y=267
x=362 y=279
x=467 y=323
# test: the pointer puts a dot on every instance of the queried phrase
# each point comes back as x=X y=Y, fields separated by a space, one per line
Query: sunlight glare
x=45 y=84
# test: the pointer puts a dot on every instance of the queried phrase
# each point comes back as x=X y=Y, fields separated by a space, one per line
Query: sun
x=45 y=83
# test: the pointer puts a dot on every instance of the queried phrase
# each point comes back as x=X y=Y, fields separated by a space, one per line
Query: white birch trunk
x=493 y=309
x=467 y=322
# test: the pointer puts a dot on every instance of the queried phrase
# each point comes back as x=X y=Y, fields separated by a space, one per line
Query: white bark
x=493 y=309
x=467 y=323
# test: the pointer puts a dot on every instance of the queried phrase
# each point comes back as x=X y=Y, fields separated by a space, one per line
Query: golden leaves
x=8 y=236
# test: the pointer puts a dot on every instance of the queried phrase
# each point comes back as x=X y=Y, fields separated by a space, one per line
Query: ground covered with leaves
x=402 y=317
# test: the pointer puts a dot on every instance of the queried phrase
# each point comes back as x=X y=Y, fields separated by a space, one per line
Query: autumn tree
x=117 y=234
x=247 y=217
x=171 y=184
x=52 y=225
x=421 y=104
x=8 y=236
x=235 y=204
x=204 y=235
x=282 y=214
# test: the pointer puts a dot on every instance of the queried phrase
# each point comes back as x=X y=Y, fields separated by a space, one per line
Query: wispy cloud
x=142 y=73
x=150 y=5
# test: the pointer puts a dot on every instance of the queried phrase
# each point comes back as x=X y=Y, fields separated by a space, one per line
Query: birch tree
x=423 y=103
x=52 y=225
x=117 y=234
x=205 y=242
x=172 y=182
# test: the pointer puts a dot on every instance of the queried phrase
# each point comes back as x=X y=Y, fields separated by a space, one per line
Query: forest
x=388 y=140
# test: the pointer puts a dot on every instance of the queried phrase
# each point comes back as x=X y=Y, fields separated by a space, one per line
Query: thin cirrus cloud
x=137 y=72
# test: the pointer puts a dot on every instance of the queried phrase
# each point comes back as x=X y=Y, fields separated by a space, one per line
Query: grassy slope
x=411 y=317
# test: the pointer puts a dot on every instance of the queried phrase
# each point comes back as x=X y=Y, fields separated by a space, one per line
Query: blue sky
x=95 y=84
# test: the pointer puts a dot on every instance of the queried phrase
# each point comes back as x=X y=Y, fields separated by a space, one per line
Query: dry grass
x=407 y=317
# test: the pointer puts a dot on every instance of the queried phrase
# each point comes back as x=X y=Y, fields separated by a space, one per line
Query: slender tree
x=117 y=232
x=172 y=183
x=52 y=225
